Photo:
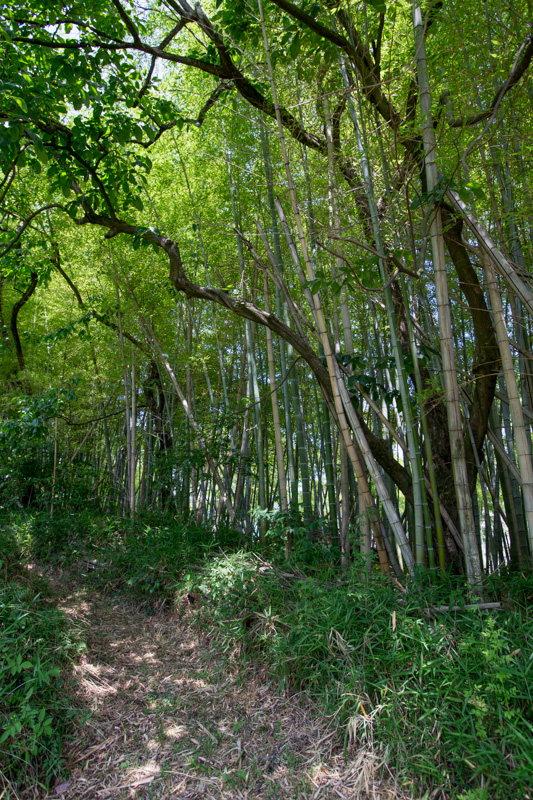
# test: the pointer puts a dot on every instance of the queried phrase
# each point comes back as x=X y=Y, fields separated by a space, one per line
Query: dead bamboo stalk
x=501 y=264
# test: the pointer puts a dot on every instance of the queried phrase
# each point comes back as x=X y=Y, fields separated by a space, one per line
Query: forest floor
x=164 y=716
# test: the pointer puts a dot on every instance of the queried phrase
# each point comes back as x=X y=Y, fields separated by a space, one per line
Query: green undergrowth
x=143 y=558
x=447 y=696
x=37 y=648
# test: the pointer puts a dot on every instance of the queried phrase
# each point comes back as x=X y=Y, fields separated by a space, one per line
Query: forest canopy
x=263 y=258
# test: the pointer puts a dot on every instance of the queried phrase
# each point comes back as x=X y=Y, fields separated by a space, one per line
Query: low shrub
x=144 y=557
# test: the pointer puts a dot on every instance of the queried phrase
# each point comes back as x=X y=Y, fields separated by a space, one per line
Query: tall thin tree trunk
x=133 y=423
x=451 y=389
x=126 y=390
x=282 y=480
x=523 y=443
x=342 y=402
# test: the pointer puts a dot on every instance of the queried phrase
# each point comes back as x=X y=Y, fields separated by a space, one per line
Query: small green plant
x=474 y=794
x=306 y=541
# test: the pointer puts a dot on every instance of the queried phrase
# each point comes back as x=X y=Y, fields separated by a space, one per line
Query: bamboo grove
x=269 y=260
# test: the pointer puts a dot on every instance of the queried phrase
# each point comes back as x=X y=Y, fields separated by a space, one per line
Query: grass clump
x=146 y=558
x=37 y=647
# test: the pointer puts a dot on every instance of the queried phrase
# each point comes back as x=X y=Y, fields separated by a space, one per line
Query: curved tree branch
x=24 y=224
x=356 y=51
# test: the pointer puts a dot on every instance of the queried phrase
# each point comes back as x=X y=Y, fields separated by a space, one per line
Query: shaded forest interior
x=266 y=313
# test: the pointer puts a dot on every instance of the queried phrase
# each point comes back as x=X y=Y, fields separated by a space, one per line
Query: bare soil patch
x=163 y=716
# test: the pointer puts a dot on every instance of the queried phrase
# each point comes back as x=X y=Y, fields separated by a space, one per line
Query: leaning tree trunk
x=523 y=442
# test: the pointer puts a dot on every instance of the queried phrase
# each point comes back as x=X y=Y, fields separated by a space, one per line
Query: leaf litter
x=163 y=715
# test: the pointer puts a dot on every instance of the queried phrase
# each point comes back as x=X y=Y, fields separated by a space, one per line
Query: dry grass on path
x=165 y=718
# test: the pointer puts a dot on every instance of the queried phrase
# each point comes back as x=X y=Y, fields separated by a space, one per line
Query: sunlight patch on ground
x=151 y=768
x=176 y=732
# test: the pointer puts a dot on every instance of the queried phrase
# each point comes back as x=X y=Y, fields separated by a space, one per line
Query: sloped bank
x=449 y=694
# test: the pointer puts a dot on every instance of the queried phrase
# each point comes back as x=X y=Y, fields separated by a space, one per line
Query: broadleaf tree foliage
x=350 y=177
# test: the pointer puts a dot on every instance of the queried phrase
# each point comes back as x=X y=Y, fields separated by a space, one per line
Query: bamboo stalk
x=523 y=444
x=125 y=379
x=337 y=265
x=54 y=470
x=451 y=390
x=282 y=480
x=276 y=261
x=343 y=404
x=133 y=431
x=502 y=265
x=252 y=366
x=412 y=438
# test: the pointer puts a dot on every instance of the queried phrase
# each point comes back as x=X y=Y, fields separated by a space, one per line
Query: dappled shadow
x=162 y=717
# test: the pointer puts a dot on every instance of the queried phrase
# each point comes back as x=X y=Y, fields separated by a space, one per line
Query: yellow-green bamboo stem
x=523 y=444
x=282 y=480
x=412 y=438
x=451 y=389
x=342 y=402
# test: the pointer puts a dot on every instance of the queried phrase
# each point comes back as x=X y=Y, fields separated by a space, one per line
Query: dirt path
x=165 y=719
